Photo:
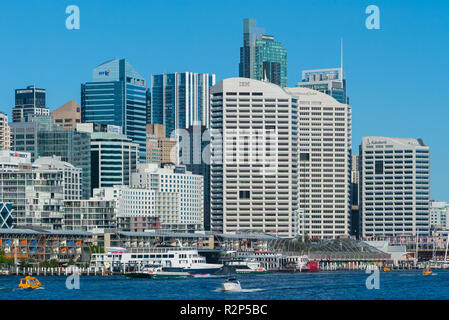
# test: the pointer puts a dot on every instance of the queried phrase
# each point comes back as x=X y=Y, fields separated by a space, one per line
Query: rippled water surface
x=316 y=286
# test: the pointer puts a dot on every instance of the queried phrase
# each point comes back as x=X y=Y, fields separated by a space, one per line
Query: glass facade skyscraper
x=261 y=57
x=328 y=81
x=117 y=96
x=42 y=138
x=180 y=100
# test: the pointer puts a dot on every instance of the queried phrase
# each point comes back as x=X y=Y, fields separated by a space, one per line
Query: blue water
x=316 y=286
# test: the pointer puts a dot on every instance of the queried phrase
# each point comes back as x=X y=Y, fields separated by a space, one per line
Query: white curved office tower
x=395 y=191
x=324 y=155
x=254 y=158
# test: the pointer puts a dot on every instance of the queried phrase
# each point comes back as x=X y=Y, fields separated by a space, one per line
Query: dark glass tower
x=29 y=102
x=117 y=96
x=191 y=155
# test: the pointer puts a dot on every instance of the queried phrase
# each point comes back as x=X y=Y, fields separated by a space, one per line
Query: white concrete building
x=395 y=177
x=324 y=149
x=254 y=158
x=5 y=132
x=439 y=215
x=171 y=179
x=72 y=175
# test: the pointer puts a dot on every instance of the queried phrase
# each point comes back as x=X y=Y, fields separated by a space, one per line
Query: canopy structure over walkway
x=329 y=249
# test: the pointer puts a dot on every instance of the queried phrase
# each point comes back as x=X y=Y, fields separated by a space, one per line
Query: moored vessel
x=170 y=259
x=156 y=272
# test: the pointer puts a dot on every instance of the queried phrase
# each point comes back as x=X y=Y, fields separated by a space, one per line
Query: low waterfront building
x=89 y=215
x=43 y=245
x=125 y=239
x=140 y=209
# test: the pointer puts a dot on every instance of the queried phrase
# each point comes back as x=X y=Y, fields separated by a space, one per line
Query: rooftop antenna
x=341 y=58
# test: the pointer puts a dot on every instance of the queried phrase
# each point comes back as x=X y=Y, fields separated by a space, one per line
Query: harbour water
x=336 y=285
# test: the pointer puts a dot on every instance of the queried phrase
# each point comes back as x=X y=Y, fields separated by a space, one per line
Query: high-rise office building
x=324 y=167
x=117 y=96
x=113 y=155
x=160 y=149
x=29 y=102
x=181 y=99
x=24 y=134
x=254 y=158
x=328 y=81
x=67 y=115
x=394 y=178
x=261 y=57
x=5 y=132
x=194 y=153
x=148 y=104
x=355 y=186
x=42 y=138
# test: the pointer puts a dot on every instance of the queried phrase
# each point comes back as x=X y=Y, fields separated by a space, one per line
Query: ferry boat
x=171 y=259
x=243 y=266
x=29 y=283
x=156 y=272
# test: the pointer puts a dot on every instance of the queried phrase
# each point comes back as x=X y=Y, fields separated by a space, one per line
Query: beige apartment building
x=67 y=115
x=160 y=149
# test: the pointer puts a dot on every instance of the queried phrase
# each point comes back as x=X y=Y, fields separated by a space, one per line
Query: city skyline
x=386 y=78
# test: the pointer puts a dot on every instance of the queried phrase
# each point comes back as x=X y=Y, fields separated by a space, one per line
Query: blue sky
x=397 y=76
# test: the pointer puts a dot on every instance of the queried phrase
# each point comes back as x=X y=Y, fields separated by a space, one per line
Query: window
x=379 y=167
x=244 y=194
x=304 y=157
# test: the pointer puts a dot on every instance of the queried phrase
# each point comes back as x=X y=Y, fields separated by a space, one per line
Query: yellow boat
x=29 y=283
x=427 y=272
x=387 y=269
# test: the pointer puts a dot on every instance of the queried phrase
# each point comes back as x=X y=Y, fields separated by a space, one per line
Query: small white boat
x=232 y=284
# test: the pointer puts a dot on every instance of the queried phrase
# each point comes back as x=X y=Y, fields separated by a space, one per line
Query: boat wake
x=207 y=276
x=239 y=291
